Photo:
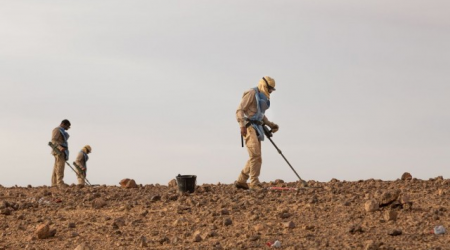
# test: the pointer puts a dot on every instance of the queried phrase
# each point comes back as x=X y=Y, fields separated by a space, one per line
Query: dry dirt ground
x=366 y=214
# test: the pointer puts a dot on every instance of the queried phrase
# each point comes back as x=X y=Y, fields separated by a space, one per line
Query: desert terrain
x=366 y=214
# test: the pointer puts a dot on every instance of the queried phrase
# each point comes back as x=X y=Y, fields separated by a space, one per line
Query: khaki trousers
x=253 y=167
x=58 y=170
x=81 y=176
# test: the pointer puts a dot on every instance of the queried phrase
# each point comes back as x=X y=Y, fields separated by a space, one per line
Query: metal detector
x=268 y=133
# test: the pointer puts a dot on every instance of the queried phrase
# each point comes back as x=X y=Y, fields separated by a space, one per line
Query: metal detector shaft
x=80 y=170
x=78 y=174
x=279 y=151
x=268 y=133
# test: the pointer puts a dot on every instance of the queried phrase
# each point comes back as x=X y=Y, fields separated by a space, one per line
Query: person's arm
x=80 y=161
x=246 y=102
x=56 y=137
x=272 y=125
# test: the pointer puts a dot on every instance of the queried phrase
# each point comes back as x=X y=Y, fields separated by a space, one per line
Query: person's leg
x=80 y=177
x=253 y=165
x=55 y=166
x=256 y=163
x=61 y=160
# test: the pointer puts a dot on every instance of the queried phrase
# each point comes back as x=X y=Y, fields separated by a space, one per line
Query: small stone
x=372 y=245
x=371 y=206
x=172 y=183
x=390 y=215
x=119 y=222
x=98 y=203
x=285 y=215
x=254 y=237
x=175 y=240
x=404 y=199
x=355 y=229
x=259 y=227
x=128 y=183
x=224 y=212
x=42 y=231
x=227 y=222
x=82 y=246
x=197 y=236
x=406 y=176
x=5 y=211
x=155 y=198
x=142 y=241
x=395 y=232
x=289 y=224
x=74 y=234
x=346 y=203
x=388 y=197
x=279 y=181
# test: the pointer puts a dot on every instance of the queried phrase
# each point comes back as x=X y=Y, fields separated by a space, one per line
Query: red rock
x=406 y=176
x=42 y=231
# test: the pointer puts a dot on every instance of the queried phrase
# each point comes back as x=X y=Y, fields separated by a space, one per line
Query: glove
x=274 y=127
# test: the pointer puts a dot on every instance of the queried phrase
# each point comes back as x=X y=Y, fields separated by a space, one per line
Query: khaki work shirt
x=57 y=137
x=248 y=108
x=80 y=160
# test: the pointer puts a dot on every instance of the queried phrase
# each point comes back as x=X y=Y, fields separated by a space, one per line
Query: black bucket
x=186 y=183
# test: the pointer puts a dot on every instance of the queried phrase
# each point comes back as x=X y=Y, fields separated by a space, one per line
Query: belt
x=250 y=122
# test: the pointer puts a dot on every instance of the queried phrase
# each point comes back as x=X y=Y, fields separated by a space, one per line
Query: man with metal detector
x=251 y=118
x=81 y=166
x=59 y=139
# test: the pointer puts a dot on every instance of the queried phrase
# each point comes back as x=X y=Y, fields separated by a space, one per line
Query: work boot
x=257 y=186
x=241 y=185
x=63 y=185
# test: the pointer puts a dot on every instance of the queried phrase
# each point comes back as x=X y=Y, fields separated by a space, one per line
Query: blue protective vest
x=86 y=158
x=65 y=144
x=262 y=104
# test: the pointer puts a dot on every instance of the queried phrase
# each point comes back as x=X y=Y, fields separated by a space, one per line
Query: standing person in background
x=59 y=138
x=251 y=118
x=80 y=164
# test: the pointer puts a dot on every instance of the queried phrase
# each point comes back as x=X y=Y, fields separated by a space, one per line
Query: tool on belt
x=268 y=133
x=249 y=123
x=58 y=152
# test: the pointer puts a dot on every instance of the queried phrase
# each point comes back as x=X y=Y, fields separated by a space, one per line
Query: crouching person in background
x=80 y=164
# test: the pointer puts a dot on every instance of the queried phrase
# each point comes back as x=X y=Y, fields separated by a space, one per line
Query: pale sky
x=153 y=86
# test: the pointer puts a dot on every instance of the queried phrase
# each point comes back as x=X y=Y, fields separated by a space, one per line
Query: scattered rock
x=406 y=176
x=395 y=232
x=173 y=183
x=43 y=231
x=197 y=237
x=388 y=197
x=155 y=198
x=372 y=245
x=259 y=227
x=227 y=222
x=289 y=224
x=355 y=229
x=98 y=203
x=128 y=183
x=371 y=206
x=142 y=241
x=6 y=211
x=390 y=215
x=83 y=246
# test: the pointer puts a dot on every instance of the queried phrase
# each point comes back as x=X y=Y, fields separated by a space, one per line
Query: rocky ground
x=366 y=214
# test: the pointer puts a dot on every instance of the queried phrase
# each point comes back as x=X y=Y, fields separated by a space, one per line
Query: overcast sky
x=153 y=86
